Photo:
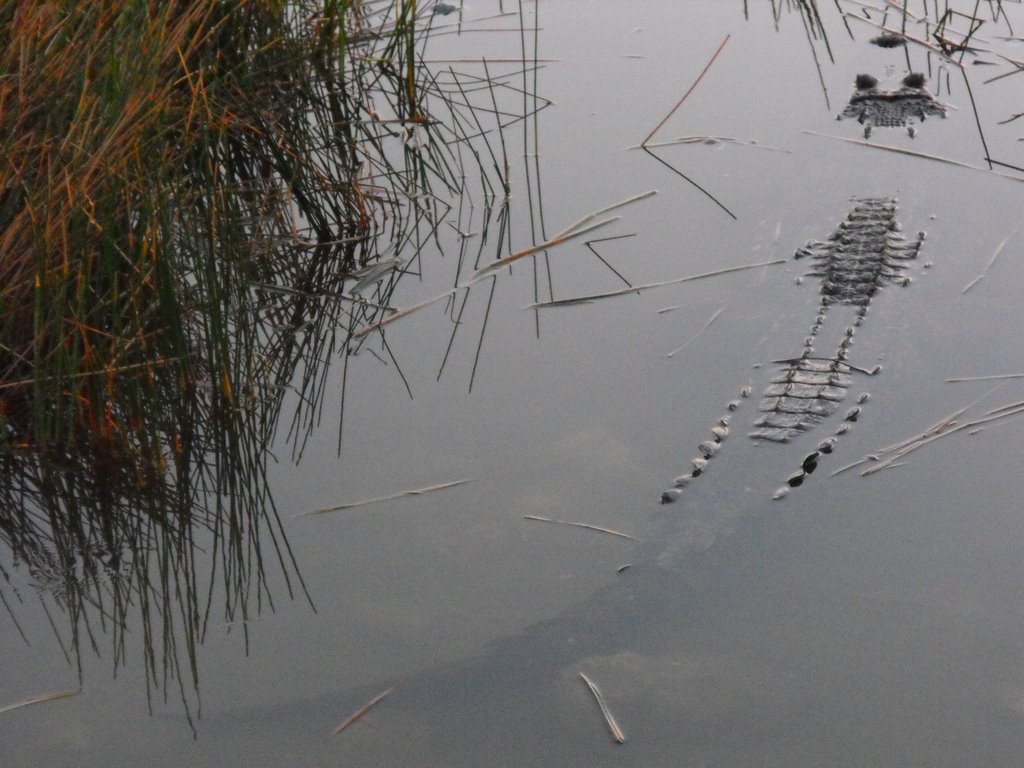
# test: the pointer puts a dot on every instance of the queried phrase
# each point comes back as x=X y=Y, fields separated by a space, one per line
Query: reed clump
x=185 y=188
x=153 y=151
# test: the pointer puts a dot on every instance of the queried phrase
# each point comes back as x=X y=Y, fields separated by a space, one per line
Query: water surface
x=860 y=621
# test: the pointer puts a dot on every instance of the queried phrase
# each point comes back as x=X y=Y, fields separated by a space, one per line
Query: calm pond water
x=860 y=621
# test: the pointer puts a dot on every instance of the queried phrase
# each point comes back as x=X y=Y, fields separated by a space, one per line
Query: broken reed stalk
x=708 y=140
x=687 y=179
x=581 y=227
x=39 y=700
x=913 y=153
x=935 y=428
x=949 y=428
x=389 y=497
x=646 y=286
x=590 y=246
x=361 y=712
x=688 y=92
x=613 y=726
x=689 y=341
x=588 y=526
x=988 y=266
x=995 y=377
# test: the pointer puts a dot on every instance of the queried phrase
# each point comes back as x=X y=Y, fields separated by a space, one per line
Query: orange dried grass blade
x=613 y=726
x=359 y=713
x=40 y=699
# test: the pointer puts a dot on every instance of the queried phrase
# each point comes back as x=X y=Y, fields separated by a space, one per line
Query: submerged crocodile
x=865 y=253
x=892 y=109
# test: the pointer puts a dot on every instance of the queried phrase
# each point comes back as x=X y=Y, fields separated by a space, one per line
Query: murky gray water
x=860 y=621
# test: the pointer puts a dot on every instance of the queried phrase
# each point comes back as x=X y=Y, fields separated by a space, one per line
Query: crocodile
x=865 y=253
x=872 y=107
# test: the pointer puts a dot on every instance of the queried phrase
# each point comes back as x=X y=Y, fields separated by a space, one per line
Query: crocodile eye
x=864 y=82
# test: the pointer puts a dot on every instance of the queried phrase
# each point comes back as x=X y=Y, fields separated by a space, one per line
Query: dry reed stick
x=1014 y=409
x=638 y=288
x=39 y=700
x=995 y=377
x=359 y=713
x=613 y=726
x=689 y=341
x=350 y=505
x=935 y=428
x=576 y=230
x=688 y=92
x=991 y=261
x=912 y=153
x=588 y=526
x=708 y=139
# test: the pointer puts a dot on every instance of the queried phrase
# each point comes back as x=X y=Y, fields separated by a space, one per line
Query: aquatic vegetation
x=188 y=189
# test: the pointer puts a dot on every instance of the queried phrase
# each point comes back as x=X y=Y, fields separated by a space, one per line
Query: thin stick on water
x=645 y=148
x=853 y=465
x=479 y=275
x=688 y=91
x=1004 y=408
x=588 y=526
x=991 y=261
x=943 y=423
x=645 y=286
x=691 y=182
x=689 y=341
x=389 y=497
x=1013 y=409
x=977 y=118
x=39 y=700
x=578 y=229
x=603 y=260
x=913 y=153
x=575 y=228
x=925 y=441
x=709 y=140
x=359 y=713
x=936 y=428
x=996 y=377
x=613 y=726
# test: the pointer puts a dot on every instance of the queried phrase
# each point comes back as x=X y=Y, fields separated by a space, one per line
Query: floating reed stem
x=389 y=497
x=646 y=286
x=613 y=726
x=688 y=91
x=39 y=700
x=588 y=526
x=988 y=266
x=581 y=227
x=913 y=153
x=361 y=712
x=947 y=426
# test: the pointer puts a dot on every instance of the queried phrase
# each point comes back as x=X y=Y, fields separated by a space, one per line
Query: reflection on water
x=861 y=621
x=140 y=405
